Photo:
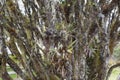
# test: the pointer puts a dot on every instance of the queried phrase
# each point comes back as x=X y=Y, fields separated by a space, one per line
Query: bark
x=5 y=76
x=65 y=39
x=17 y=69
x=3 y=72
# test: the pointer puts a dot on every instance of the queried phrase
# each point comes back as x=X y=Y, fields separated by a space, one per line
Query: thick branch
x=16 y=68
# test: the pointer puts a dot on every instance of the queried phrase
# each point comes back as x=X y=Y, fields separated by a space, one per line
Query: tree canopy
x=58 y=39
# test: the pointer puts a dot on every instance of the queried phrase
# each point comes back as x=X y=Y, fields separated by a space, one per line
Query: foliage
x=56 y=40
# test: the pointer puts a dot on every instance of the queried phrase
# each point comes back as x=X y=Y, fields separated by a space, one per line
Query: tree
x=58 y=39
